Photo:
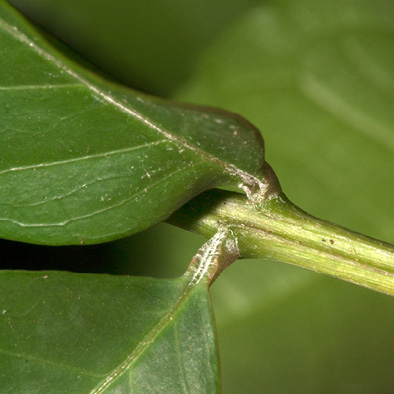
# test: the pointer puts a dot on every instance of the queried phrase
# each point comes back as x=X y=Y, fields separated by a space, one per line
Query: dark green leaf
x=85 y=161
x=73 y=333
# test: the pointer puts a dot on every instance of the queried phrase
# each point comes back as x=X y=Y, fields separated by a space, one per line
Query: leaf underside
x=83 y=160
x=123 y=334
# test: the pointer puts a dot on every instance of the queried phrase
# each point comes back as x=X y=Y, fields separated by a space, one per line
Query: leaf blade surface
x=85 y=161
x=68 y=332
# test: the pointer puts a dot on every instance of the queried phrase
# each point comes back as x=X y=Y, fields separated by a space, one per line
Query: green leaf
x=74 y=333
x=85 y=161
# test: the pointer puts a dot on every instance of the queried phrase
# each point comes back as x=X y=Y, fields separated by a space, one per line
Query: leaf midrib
x=148 y=339
x=230 y=168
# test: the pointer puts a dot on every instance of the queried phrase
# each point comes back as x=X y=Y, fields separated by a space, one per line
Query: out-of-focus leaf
x=317 y=78
x=284 y=330
x=76 y=333
x=86 y=161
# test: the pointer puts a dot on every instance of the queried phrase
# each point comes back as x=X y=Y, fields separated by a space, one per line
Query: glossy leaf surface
x=73 y=333
x=86 y=161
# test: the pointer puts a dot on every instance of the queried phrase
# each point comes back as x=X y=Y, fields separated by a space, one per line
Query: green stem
x=278 y=230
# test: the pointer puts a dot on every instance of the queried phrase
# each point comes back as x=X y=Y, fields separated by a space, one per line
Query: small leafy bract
x=83 y=160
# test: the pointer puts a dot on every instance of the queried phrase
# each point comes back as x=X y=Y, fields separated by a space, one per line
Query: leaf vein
x=247 y=178
x=146 y=341
x=38 y=87
x=94 y=213
x=82 y=158
x=49 y=362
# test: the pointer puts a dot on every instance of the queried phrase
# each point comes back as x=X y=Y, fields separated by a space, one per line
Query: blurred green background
x=317 y=78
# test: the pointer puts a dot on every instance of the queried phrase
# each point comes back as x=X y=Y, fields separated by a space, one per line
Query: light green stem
x=278 y=230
